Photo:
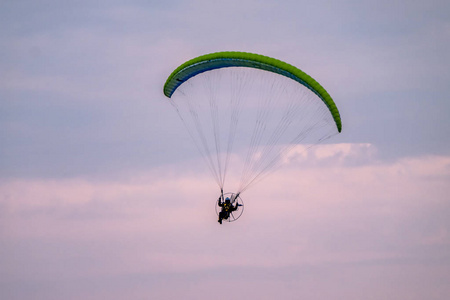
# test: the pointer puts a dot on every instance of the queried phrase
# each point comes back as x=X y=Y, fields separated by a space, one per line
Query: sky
x=104 y=196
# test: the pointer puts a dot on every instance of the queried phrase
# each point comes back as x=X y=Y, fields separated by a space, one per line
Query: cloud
x=311 y=213
x=161 y=224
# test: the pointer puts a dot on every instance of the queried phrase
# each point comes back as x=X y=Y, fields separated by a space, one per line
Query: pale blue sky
x=101 y=192
x=74 y=66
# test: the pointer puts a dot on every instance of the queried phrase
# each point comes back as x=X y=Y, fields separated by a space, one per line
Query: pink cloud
x=309 y=213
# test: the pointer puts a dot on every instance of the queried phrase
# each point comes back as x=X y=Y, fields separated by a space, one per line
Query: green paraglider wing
x=242 y=59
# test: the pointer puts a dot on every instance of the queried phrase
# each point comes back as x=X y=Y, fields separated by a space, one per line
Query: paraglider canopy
x=219 y=60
